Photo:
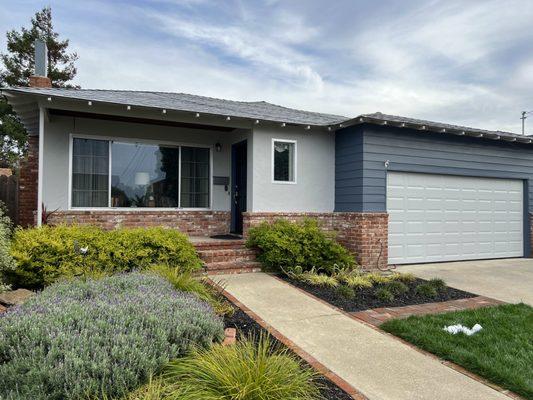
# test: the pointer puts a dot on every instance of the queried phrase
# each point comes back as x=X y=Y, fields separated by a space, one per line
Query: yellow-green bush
x=44 y=255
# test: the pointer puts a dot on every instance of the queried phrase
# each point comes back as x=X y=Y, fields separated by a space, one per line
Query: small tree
x=18 y=66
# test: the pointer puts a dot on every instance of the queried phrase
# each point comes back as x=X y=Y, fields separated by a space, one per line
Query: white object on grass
x=84 y=250
x=455 y=329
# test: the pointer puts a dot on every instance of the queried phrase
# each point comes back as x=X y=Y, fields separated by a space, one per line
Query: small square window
x=284 y=161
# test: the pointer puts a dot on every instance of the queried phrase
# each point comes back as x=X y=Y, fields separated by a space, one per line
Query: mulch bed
x=247 y=327
x=365 y=298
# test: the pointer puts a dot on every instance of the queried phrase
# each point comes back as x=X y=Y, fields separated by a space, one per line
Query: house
x=396 y=190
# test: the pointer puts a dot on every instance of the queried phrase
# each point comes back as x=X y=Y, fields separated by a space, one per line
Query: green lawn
x=502 y=352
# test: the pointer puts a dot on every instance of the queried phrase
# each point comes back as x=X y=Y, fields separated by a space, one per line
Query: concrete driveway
x=509 y=280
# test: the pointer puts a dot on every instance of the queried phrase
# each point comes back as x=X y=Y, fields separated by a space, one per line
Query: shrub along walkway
x=373 y=362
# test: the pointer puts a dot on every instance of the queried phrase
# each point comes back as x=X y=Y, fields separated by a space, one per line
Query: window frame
x=110 y=140
x=295 y=172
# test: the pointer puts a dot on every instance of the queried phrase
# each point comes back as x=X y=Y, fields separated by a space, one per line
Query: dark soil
x=366 y=299
x=247 y=327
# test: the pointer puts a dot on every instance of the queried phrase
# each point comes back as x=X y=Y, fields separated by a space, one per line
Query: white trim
x=211 y=152
x=109 y=171
x=179 y=177
x=70 y=151
x=120 y=139
x=295 y=180
x=40 y=172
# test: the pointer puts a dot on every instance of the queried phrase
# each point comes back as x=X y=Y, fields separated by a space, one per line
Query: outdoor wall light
x=218 y=147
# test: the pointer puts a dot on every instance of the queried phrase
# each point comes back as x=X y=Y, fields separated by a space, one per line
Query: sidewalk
x=374 y=363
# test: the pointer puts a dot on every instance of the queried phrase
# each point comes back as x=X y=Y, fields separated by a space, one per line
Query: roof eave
x=27 y=110
x=364 y=119
x=14 y=92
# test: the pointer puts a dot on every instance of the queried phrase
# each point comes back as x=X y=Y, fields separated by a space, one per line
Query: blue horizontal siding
x=367 y=147
x=363 y=150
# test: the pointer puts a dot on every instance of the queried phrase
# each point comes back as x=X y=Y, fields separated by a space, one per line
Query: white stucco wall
x=314 y=190
x=56 y=152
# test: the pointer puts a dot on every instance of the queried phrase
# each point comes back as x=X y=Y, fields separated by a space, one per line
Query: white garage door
x=445 y=218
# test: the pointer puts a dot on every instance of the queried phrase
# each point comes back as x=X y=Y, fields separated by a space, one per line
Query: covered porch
x=115 y=165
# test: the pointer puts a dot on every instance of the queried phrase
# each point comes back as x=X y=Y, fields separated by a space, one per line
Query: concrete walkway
x=509 y=280
x=374 y=363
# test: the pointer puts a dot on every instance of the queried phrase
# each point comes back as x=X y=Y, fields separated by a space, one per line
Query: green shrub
x=397 y=287
x=85 y=339
x=185 y=282
x=7 y=263
x=384 y=294
x=283 y=245
x=346 y=292
x=426 y=290
x=248 y=370
x=46 y=254
x=438 y=284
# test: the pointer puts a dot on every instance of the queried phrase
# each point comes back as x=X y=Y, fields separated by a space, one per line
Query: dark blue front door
x=238 y=185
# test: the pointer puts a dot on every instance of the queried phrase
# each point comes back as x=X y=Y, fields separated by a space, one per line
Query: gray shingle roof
x=186 y=102
x=260 y=110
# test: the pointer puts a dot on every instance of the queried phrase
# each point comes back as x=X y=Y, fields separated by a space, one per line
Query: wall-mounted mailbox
x=221 y=181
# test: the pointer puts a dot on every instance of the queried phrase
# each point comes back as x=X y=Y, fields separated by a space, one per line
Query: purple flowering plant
x=94 y=338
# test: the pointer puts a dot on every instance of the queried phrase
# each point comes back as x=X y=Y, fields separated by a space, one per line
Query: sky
x=466 y=62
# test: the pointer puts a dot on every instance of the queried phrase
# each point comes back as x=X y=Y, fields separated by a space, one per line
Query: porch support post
x=40 y=171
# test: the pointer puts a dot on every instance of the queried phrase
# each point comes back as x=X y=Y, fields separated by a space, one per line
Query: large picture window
x=130 y=175
x=283 y=161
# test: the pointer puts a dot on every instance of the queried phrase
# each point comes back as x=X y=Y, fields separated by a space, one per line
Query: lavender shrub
x=95 y=338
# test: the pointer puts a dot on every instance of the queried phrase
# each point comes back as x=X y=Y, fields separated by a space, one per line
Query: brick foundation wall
x=29 y=175
x=193 y=223
x=364 y=234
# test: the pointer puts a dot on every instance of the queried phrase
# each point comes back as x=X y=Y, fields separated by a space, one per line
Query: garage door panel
x=446 y=218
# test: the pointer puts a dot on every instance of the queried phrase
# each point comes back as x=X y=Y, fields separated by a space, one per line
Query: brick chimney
x=39 y=79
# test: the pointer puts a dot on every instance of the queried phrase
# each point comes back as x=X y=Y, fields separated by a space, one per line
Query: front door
x=238 y=185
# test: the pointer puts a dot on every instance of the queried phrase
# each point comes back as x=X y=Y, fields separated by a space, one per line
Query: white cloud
x=453 y=61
